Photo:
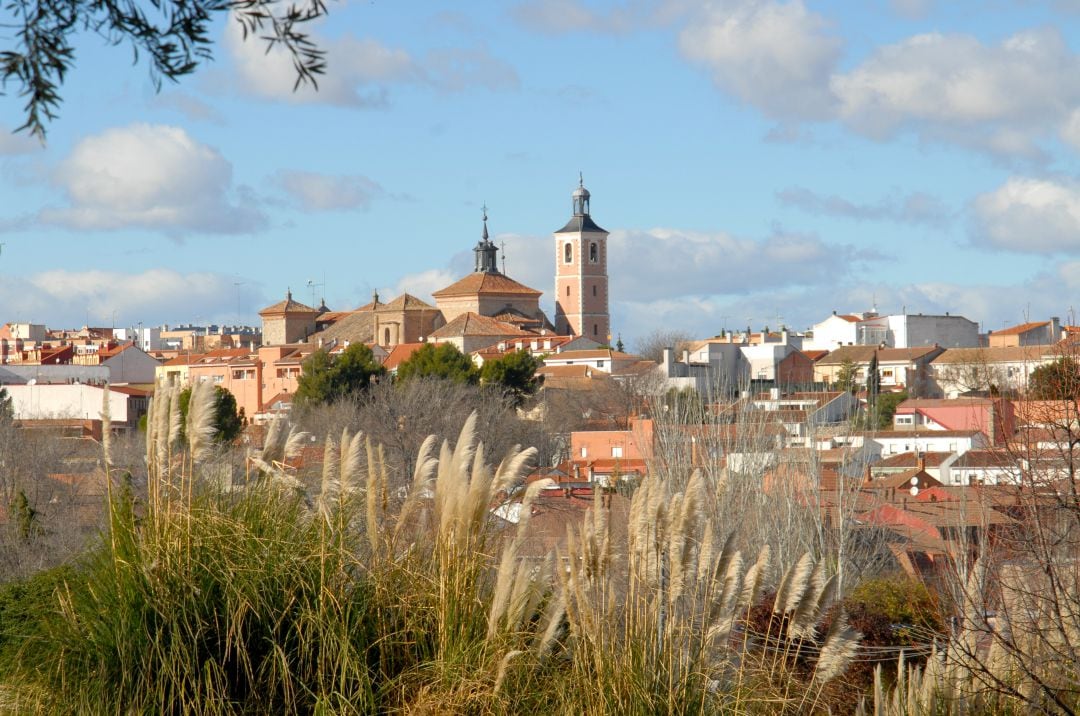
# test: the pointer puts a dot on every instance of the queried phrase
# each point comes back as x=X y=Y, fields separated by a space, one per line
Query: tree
x=651 y=346
x=873 y=385
x=228 y=421
x=1059 y=380
x=515 y=374
x=439 y=361
x=325 y=378
x=7 y=410
x=173 y=37
x=886 y=409
x=845 y=376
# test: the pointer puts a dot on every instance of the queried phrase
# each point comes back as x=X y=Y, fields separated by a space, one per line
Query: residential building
x=993 y=417
x=980 y=371
x=1040 y=333
x=901 y=330
x=900 y=369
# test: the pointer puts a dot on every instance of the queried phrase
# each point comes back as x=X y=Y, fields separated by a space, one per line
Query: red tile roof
x=287 y=306
x=400 y=353
x=473 y=324
x=1022 y=328
x=486 y=283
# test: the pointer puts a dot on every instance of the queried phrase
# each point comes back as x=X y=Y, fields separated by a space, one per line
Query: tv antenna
x=312 y=285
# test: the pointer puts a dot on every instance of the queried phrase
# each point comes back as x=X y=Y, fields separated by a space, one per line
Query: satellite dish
x=914 y=490
x=914 y=481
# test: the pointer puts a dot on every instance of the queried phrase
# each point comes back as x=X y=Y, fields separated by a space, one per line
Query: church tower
x=581 y=280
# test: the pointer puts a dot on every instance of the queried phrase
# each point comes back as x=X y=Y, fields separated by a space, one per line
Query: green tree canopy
x=515 y=374
x=845 y=376
x=325 y=378
x=885 y=409
x=1059 y=380
x=439 y=361
x=229 y=422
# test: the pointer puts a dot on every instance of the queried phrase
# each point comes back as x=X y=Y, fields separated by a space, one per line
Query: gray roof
x=580 y=223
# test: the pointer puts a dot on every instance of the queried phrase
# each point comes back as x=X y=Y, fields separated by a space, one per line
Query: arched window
x=386 y=337
x=594 y=289
x=567 y=290
x=595 y=329
x=568 y=253
x=594 y=252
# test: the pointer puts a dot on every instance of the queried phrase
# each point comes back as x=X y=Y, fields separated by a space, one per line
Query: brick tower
x=581 y=280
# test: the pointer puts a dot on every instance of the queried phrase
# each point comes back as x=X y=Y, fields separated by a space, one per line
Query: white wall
x=42 y=402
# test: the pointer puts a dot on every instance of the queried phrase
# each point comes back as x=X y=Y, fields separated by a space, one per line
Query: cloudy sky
x=755 y=161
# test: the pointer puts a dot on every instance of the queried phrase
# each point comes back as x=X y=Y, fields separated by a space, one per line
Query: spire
x=581 y=198
x=486 y=260
x=288 y=293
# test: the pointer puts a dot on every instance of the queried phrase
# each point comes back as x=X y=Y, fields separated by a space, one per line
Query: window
x=567 y=290
x=594 y=253
x=594 y=290
x=584 y=451
x=386 y=337
x=616 y=450
x=568 y=253
x=595 y=329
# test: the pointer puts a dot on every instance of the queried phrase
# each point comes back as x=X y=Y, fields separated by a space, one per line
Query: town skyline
x=755 y=163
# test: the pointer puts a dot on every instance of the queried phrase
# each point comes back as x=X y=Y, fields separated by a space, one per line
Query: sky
x=757 y=162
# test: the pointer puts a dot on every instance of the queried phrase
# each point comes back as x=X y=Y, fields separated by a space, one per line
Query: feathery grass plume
x=149 y=438
x=797 y=584
x=329 y=487
x=706 y=553
x=841 y=644
x=296 y=442
x=274 y=443
x=755 y=578
x=807 y=611
x=371 y=496
x=175 y=418
x=202 y=411
x=161 y=431
x=352 y=455
x=553 y=621
x=507 y=587
x=504 y=663
x=423 y=473
x=106 y=427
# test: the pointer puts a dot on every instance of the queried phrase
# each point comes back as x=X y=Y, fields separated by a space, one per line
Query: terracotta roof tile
x=1022 y=328
x=485 y=283
x=473 y=324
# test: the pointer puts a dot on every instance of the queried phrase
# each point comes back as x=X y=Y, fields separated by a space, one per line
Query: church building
x=482 y=309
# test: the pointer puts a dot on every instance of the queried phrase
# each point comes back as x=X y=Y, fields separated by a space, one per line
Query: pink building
x=581 y=280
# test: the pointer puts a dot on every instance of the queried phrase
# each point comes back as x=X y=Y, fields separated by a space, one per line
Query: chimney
x=921 y=464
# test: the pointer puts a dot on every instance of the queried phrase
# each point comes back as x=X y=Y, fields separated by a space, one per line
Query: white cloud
x=423 y=283
x=360 y=71
x=148 y=176
x=324 y=192
x=914 y=208
x=1031 y=215
x=1009 y=93
x=72 y=298
x=776 y=57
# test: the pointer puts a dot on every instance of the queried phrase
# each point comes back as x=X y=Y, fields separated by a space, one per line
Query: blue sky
x=755 y=161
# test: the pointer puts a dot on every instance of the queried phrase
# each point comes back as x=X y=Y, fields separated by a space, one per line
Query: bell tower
x=581 y=280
